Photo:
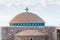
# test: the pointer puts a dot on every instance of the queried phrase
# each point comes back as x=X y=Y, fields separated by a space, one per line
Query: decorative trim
x=26 y=24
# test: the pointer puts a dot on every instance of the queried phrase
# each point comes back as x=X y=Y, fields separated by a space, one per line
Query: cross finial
x=26 y=9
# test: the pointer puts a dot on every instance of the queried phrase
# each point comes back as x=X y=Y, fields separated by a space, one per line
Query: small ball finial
x=26 y=9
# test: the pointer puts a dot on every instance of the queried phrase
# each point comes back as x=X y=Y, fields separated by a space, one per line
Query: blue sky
x=49 y=10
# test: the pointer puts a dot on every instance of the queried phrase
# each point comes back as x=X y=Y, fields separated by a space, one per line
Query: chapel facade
x=29 y=26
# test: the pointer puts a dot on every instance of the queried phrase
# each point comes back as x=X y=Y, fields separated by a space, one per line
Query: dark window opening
x=58 y=34
x=31 y=39
x=58 y=31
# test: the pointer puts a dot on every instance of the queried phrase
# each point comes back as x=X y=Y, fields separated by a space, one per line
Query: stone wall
x=31 y=38
x=8 y=32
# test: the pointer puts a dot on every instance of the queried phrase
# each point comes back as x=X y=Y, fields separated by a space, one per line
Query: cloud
x=56 y=2
x=10 y=3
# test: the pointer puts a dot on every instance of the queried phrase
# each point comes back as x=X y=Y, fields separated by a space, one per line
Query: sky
x=48 y=10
